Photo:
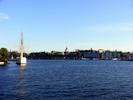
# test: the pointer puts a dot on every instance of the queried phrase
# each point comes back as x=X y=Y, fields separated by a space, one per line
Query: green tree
x=3 y=54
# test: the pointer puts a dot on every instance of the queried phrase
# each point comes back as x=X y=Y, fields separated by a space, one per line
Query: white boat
x=115 y=59
x=95 y=59
x=84 y=59
x=21 y=59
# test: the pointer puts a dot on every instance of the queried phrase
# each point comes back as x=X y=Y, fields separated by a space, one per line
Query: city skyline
x=53 y=25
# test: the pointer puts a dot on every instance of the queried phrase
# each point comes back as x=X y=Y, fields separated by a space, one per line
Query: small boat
x=115 y=59
x=84 y=59
x=95 y=59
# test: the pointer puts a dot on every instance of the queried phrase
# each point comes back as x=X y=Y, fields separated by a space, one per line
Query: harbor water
x=67 y=80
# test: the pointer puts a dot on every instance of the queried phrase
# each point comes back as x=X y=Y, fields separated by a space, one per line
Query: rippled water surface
x=67 y=80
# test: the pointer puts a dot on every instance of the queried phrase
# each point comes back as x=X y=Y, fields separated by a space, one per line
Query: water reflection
x=22 y=66
x=22 y=81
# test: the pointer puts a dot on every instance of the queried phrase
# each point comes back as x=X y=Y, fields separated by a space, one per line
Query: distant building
x=91 y=55
x=66 y=51
x=53 y=52
x=57 y=53
x=14 y=52
x=110 y=54
x=12 y=57
x=129 y=56
x=77 y=50
x=100 y=51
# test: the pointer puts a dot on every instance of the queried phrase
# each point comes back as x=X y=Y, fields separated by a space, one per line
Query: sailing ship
x=21 y=59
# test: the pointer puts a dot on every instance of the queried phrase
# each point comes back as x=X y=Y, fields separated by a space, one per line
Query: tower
x=66 y=50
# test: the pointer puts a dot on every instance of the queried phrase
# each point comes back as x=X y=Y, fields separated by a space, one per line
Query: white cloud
x=3 y=16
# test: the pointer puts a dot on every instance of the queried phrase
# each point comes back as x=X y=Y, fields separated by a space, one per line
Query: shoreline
x=3 y=63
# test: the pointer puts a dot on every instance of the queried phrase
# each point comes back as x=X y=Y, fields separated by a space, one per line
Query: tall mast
x=21 y=47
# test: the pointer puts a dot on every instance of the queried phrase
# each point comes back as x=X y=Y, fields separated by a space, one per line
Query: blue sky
x=78 y=24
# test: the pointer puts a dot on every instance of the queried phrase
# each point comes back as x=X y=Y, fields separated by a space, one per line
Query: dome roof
x=66 y=50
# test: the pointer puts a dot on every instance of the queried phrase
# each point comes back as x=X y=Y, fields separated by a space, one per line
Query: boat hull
x=21 y=60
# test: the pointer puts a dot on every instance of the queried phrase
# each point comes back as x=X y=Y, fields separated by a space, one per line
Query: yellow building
x=101 y=50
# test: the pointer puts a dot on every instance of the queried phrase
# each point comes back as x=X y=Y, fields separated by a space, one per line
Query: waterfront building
x=12 y=57
x=76 y=50
x=100 y=51
x=60 y=53
x=57 y=53
x=110 y=54
x=129 y=56
x=91 y=55
x=53 y=52
x=13 y=54
x=106 y=55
